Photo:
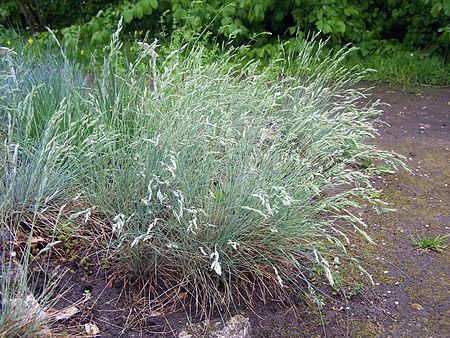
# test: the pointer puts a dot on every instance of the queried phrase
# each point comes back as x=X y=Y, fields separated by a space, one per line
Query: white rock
x=237 y=327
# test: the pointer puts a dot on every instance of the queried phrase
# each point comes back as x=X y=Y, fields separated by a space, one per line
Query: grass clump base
x=208 y=180
x=25 y=309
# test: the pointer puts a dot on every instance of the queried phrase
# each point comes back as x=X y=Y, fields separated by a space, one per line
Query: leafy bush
x=418 y=24
x=212 y=181
x=381 y=31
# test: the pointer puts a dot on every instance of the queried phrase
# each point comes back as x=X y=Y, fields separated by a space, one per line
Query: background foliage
x=367 y=23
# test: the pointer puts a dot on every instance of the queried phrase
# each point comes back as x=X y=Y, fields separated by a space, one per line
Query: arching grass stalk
x=226 y=184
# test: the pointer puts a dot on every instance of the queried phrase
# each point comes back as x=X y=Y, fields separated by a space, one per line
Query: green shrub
x=382 y=31
x=417 y=24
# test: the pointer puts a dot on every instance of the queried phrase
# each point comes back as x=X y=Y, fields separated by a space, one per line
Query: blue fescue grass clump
x=212 y=180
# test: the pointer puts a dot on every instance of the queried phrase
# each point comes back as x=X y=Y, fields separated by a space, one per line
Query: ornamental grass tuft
x=225 y=184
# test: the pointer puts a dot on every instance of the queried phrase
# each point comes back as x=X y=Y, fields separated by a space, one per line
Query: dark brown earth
x=411 y=296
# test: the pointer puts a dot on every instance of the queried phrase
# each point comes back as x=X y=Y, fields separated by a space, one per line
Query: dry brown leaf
x=65 y=313
x=417 y=306
x=37 y=240
x=34 y=240
x=91 y=329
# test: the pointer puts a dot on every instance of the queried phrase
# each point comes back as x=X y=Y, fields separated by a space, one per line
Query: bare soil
x=411 y=296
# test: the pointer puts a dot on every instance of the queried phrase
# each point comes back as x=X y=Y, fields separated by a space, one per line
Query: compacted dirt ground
x=411 y=295
x=416 y=285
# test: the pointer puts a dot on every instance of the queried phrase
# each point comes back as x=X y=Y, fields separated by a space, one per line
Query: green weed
x=437 y=243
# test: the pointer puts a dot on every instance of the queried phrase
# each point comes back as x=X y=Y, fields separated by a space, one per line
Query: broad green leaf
x=340 y=26
x=259 y=13
x=229 y=10
x=96 y=37
x=326 y=28
x=447 y=8
x=94 y=26
x=226 y=21
x=138 y=12
x=127 y=15
x=146 y=7
x=436 y=9
x=154 y=4
x=179 y=13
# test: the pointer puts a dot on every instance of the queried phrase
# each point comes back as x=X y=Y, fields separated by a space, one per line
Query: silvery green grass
x=26 y=308
x=209 y=179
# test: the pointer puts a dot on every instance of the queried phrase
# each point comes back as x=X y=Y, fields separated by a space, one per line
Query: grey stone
x=236 y=327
